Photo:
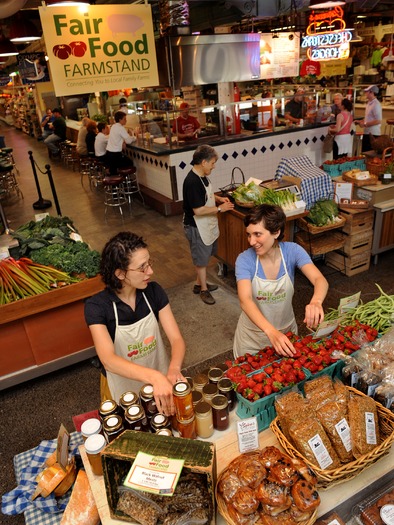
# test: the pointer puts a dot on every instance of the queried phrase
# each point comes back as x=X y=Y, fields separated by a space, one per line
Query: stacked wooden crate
x=355 y=256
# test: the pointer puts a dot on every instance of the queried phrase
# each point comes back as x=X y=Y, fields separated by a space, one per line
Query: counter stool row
x=119 y=190
x=8 y=171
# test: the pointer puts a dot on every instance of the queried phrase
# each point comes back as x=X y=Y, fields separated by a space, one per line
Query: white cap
x=91 y=426
x=95 y=444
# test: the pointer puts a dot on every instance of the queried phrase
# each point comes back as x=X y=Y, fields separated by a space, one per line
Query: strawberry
x=259 y=377
x=251 y=383
x=268 y=370
x=267 y=390
x=258 y=389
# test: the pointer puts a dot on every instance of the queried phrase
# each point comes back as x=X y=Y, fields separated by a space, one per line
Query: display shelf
x=320 y=244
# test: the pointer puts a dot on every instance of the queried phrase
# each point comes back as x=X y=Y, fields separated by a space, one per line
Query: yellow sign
x=331 y=68
x=99 y=48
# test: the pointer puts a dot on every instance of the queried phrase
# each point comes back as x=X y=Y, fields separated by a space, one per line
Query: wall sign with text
x=327 y=37
x=99 y=48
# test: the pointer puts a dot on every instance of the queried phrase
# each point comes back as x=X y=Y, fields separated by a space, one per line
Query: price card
x=347 y=303
x=4 y=253
x=40 y=216
x=248 y=434
x=155 y=474
x=326 y=328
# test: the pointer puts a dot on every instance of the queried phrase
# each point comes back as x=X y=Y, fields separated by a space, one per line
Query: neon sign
x=327 y=37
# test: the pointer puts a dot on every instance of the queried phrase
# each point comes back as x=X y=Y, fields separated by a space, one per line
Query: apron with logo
x=207 y=225
x=274 y=299
x=141 y=343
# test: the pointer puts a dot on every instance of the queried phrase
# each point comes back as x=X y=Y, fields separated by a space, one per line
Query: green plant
x=99 y=117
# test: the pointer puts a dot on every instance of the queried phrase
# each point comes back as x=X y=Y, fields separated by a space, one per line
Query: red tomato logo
x=149 y=340
x=62 y=51
x=78 y=49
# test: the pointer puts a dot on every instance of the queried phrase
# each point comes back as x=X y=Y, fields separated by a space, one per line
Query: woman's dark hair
x=347 y=104
x=116 y=256
x=272 y=217
x=101 y=126
x=119 y=115
x=204 y=152
x=92 y=126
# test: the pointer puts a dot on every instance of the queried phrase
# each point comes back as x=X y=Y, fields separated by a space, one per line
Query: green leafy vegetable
x=75 y=258
x=323 y=212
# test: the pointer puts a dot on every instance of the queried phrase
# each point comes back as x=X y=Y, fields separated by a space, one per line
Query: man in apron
x=200 y=217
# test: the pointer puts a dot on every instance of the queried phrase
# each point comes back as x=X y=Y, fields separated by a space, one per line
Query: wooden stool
x=114 y=196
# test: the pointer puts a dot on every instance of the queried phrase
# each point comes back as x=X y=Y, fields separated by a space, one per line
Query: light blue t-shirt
x=294 y=255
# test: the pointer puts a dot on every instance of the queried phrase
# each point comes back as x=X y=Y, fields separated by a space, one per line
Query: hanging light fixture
x=325 y=4
x=23 y=30
x=7 y=48
x=71 y=3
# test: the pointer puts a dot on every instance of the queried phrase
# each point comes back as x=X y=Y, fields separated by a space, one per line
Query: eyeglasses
x=143 y=268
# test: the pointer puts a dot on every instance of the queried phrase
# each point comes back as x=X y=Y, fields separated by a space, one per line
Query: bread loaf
x=364 y=425
x=334 y=418
x=81 y=509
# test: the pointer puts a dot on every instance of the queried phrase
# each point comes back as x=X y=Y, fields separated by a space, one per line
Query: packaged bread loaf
x=341 y=392
x=311 y=440
x=289 y=408
x=334 y=418
x=364 y=425
x=319 y=391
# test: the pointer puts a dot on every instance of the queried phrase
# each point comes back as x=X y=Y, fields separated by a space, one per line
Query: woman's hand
x=162 y=391
x=314 y=314
x=174 y=375
x=280 y=342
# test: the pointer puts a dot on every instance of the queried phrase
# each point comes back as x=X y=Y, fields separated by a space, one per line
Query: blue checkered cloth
x=41 y=511
x=315 y=183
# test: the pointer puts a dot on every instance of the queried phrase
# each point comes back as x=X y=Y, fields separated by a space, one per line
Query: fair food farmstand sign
x=99 y=48
x=327 y=37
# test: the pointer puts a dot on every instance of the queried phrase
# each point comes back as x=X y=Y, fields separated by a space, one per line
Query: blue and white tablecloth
x=315 y=183
x=41 y=511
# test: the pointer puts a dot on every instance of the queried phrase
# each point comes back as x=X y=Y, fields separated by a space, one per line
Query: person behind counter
x=59 y=128
x=124 y=322
x=185 y=126
x=265 y=283
x=118 y=137
x=200 y=217
x=296 y=108
x=373 y=117
x=343 y=140
x=336 y=106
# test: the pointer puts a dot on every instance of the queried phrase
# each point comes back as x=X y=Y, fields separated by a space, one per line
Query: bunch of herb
x=74 y=258
x=37 y=234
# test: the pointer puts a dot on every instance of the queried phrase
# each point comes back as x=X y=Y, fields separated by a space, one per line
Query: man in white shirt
x=373 y=117
x=118 y=137
x=100 y=144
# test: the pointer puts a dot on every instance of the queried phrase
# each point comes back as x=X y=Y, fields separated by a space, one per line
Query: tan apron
x=208 y=225
x=274 y=300
x=141 y=343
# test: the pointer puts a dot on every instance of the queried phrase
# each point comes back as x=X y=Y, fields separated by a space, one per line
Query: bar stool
x=84 y=167
x=8 y=182
x=114 y=196
x=97 y=173
x=9 y=153
x=130 y=184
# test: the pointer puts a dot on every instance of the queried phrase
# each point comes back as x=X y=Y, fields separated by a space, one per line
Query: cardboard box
x=119 y=455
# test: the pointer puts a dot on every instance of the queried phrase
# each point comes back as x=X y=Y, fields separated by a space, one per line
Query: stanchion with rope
x=43 y=203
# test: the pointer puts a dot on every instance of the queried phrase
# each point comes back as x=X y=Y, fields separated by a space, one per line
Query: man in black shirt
x=59 y=128
x=295 y=109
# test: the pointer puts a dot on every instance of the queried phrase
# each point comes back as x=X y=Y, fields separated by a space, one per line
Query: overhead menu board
x=279 y=55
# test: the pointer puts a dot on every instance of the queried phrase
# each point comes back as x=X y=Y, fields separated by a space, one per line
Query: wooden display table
x=226 y=444
x=45 y=333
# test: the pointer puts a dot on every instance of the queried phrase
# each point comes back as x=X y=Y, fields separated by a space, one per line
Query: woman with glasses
x=124 y=323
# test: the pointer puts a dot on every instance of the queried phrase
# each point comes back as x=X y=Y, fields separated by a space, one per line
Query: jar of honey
x=187 y=428
x=204 y=420
x=90 y=427
x=183 y=402
x=220 y=412
x=109 y=407
x=226 y=388
x=113 y=427
x=93 y=447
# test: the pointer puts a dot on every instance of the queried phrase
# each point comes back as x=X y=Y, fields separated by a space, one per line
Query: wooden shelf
x=320 y=244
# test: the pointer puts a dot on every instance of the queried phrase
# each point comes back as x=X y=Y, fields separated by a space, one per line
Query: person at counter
x=336 y=106
x=100 y=144
x=118 y=138
x=343 y=140
x=373 y=117
x=265 y=283
x=296 y=108
x=82 y=148
x=91 y=137
x=124 y=322
x=185 y=126
x=200 y=217
x=46 y=120
x=59 y=128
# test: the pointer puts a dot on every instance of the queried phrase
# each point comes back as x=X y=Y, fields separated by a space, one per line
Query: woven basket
x=222 y=506
x=330 y=477
x=378 y=169
x=311 y=228
x=245 y=204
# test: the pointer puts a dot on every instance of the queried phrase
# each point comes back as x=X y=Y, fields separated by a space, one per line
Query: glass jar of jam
x=93 y=447
x=164 y=432
x=190 y=381
x=109 y=407
x=90 y=427
x=127 y=399
x=135 y=419
x=209 y=391
x=183 y=402
x=113 y=427
x=199 y=381
x=159 y=421
x=187 y=428
x=174 y=422
x=220 y=412
x=204 y=420
x=146 y=395
x=215 y=374
x=226 y=388
x=151 y=409
x=196 y=397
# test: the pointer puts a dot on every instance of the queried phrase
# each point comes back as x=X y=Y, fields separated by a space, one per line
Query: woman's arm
x=314 y=313
x=338 y=124
x=105 y=349
x=279 y=341
x=178 y=348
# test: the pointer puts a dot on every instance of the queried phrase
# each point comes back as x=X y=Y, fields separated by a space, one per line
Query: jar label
x=107 y=405
x=128 y=397
x=112 y=421
x=181 y=387
x=159 y=418
x=148 y=389
x=133 y=410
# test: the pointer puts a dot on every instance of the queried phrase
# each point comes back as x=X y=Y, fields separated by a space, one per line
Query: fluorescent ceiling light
x=23 y=30
x=325 y=4
x=7 y=48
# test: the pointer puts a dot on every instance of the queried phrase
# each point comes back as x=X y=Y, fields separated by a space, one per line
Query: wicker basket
x=311 y=228
x=245 y=204
x=330 y=477
x=222 y=506
x=378 y=169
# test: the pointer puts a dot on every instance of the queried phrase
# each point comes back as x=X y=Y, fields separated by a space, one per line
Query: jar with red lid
x=215 y=374
x=187 y=428
x=220 y=412
x=183 y=402
x=113 y=427
x=226 y=388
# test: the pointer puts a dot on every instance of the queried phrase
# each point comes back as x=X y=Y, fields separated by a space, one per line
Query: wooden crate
x=349 y=265
x=357 y=220
x=358 y=243
x=320 y=244
x=118 y=456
